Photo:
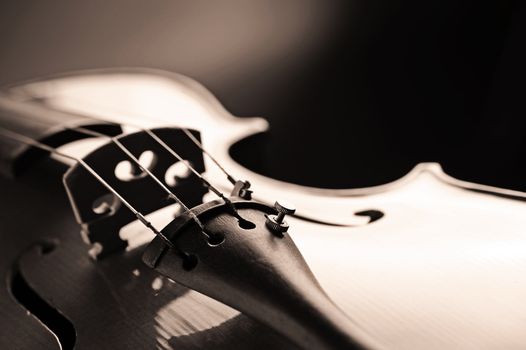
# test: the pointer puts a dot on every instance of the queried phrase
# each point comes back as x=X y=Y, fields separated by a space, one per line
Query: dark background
x=357 y=91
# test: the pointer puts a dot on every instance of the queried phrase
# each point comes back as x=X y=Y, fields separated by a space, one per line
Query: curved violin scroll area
x=255 y=271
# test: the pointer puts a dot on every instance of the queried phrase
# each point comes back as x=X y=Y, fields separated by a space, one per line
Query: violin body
x=427 y=261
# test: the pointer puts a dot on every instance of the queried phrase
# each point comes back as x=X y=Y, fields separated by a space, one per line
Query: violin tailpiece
x=256 y=269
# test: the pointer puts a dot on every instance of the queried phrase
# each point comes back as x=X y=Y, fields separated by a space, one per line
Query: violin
x=126 y=224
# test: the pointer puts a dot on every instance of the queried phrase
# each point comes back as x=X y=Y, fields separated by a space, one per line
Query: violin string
x=156 y=139
x=29 y=141
x=200 y=146
x=187 y=132
x=146 y=170
x=163 y=144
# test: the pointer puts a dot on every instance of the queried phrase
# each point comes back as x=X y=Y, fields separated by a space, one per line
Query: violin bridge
x=101 y=214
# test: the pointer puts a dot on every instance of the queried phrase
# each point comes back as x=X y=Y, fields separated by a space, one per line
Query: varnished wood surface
x=442 y=269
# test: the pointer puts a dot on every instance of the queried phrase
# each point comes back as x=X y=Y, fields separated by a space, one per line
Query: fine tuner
x=277 y=223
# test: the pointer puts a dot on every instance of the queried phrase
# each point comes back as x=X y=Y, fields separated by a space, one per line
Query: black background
x=357 y=92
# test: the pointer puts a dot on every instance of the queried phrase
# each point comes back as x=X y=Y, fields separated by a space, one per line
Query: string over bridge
x=101 y=227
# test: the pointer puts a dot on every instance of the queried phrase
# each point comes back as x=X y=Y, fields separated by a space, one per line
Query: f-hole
x=59 y=325
x=245 y=224
x=373 y=214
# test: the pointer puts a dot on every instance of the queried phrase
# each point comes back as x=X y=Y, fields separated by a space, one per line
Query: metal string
x=200 y=146
x=229 y=177
x=205 y=181
x=146 y=170
x=29 y=141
